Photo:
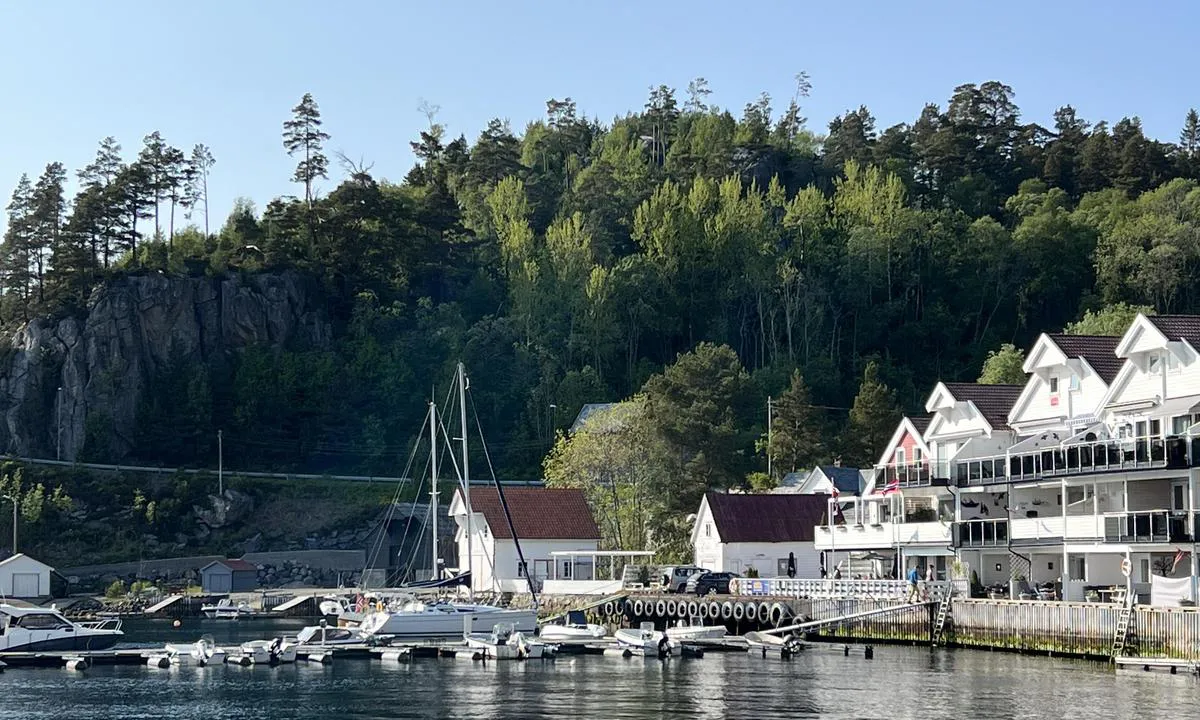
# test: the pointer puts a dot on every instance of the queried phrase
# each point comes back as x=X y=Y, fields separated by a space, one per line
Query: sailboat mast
x=433 y=489
x=466 y=476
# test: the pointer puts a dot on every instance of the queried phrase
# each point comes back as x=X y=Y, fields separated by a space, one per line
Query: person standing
x=930 y=577
x=913 y=577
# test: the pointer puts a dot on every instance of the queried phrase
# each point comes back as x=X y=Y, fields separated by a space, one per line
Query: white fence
x=793 y=588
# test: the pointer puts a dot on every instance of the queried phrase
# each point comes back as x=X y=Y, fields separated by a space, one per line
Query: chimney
x=837 y=462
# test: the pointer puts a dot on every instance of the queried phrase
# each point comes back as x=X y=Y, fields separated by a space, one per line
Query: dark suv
x=713 y=583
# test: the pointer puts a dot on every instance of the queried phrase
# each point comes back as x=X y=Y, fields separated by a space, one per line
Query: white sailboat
x=409 y=616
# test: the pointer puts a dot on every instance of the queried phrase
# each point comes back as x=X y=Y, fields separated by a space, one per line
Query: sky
x=227 y=73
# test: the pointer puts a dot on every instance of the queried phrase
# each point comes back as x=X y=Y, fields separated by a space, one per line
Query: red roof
x=994 y=401
x=537 y=513
x=1100 y=351
x=767 y=517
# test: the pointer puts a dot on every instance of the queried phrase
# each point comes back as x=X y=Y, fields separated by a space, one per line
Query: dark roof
x=1100 y=351
x=766 y=518
x=920 y=422
x=537 y=513
x=235 y=565
x=1178 y=327
x=845 y=479
x=993 y=401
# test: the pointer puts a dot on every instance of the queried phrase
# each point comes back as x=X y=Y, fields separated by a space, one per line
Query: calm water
x=898 y=683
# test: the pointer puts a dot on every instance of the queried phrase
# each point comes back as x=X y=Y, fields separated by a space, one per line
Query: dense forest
x=574 y=261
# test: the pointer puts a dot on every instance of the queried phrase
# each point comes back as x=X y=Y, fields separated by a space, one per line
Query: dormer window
x=1154 y=364
x=1053 y=386
x=1073 y=385
x=1173 y=364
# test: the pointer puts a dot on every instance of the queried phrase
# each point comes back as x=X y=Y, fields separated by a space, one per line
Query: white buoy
x=158 y=661
x=77 y=663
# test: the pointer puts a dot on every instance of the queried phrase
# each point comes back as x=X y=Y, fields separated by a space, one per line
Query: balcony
x=1150 y=526
x=882 y=535
x=982 y=533
x=1101 y=456
x=909 y=475
x=980 y=471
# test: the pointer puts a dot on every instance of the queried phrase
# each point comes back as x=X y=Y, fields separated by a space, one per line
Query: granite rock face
x=137 y=326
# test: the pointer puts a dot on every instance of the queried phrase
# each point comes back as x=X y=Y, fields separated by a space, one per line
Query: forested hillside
x=572 y=260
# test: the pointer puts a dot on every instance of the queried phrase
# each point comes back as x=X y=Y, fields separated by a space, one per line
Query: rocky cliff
x=56 y=376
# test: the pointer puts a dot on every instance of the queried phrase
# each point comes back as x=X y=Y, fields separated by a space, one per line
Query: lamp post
x=13 y=499
x=769 y=436
x=550 y=421
x=58 y=424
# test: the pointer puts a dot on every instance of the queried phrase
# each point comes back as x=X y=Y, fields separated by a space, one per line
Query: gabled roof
x=234 y=565
x=1100 y=352
x=914 y=426
x=1178 y=327
x=847 y=480
x=992 y=401
x=19 y=556
x=920 y=423
x=537 y=513
x=766 y=518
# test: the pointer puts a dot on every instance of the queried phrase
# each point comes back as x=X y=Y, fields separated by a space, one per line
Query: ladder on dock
x=939 y=622
x=1122 y=636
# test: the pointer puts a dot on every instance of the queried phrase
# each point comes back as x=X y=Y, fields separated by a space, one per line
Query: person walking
x=913 y=577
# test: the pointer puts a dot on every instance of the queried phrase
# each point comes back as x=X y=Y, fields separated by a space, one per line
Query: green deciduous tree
x=1112 y=320
x=1003 y=366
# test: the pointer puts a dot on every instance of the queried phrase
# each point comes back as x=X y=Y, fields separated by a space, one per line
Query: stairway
x=939 y=622
x=1125 y=640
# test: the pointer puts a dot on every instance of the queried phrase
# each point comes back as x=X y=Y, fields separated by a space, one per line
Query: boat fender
x=776 y=614
x=608 y=608
x=739 y=611
x=726 y=610
x=693 y=609
x=660 y=608
x=638 y=608
x=764 y=613
x=672 y=608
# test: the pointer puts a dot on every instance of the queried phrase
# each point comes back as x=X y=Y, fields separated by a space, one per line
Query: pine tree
x=49 y=206
x=199 y=166
x=14 y=253
x=132 y=194
x=153 y=160
x=796 y=429
x=175 y=175
x=104 y=204
x=873 y=418
x=302 y=134
x=1189 y=138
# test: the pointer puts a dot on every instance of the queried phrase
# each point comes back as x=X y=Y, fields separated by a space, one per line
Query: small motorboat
x=226 y=610
x=324 y=636
x=695 y=629
x=769 y=643
x=644 y=640
x=203 y=652
x=503 y=643
x=264 y=652
x=575 y=629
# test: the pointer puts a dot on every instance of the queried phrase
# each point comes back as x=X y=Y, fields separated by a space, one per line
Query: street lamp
x=13 y=499
x=550 y=421
x=769 y=436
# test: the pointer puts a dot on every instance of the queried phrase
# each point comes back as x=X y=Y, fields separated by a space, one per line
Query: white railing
x=1084 y=526
x=1039 y=528
x=796 y=588
x=581 y=587
x=881 y=535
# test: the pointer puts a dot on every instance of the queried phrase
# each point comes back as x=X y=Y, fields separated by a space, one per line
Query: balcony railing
x=1150 y=526
x=980 y=471
x=982 y=533
x=909 y=475
x=1141 y=453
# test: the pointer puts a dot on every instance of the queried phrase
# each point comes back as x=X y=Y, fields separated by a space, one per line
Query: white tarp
x=1169 y=591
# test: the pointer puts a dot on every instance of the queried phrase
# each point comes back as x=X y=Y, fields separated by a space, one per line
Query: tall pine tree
x=49 y=206
x=14 y=253
x=873 y=418
x=303 y=135
x=796 y=429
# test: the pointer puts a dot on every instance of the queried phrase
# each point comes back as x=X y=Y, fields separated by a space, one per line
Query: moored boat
x=575 y=628
x=695 y=629
x=36 y=629
x=644 y=640
x=226 y=610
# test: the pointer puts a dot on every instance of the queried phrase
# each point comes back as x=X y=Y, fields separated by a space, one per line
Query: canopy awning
x=1177 y=406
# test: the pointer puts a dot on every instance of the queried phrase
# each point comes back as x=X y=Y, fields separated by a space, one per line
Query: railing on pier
x=801 y=588
x=982 y=533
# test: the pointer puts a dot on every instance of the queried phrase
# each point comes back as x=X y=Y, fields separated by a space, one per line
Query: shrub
x=116 y=590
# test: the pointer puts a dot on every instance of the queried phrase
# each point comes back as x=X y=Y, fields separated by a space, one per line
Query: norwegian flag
x=837 y=504
x=1179 y=556
x=893 y=486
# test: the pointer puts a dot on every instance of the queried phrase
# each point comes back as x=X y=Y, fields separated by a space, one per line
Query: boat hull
x=710 y=632
x=73 y=642
x=560 y=633
x=438 y=625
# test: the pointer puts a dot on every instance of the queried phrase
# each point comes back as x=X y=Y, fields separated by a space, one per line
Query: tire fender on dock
x=764 y=613
x=739 y=611
x=693 y=609
x=777 y=614
x=671 y=608
x=660 y=608
x=608 y=608
x=727 y=610
x=638 y=608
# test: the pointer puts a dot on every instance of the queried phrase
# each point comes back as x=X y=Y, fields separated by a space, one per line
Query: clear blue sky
x=227 y=73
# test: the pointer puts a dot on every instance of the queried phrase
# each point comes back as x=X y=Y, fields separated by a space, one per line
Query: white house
x=546 y=520
x=736 y=532
x=23 y=577
x=822 y=479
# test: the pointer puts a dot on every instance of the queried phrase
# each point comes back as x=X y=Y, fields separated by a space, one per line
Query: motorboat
x=263 y=652
x=644 y=640
x=226 y=610
x=35 y=629
x=765 y=642
x=695 y=629
x=433 y=620
x=575 y=629
x=203 y=652
x=324 y=635
x=504 y=643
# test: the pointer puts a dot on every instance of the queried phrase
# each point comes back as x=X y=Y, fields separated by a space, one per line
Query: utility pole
x=433 y=492
x=220 y=464
x=550 y=422
x=769 y=436
x=13 y=498
x=58 y=424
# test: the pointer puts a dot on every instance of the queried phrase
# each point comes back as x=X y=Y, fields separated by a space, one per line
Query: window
x=566 y=570
x=899 y=456
x=1053 y=385
x=916 y=455
x=1180 y=424
x=1074 y=383
x=1179 y=496
x=1078 y=567
x=707 y=529
x=1144 y=570
x=1139 y=429
x=1154 y=364
x=1155 y=428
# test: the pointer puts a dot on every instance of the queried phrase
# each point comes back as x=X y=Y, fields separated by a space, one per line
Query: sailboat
x=409 y=616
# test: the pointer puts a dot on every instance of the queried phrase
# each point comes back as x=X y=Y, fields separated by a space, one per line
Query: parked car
x=675 y=577
x=711 y=583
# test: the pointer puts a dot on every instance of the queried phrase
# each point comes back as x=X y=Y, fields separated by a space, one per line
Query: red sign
x=1053 y=401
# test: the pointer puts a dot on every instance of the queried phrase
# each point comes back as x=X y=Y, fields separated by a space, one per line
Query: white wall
x=706 y=544
x=1083 y=401
x=21 y=565
x=764 y=557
